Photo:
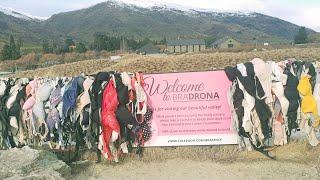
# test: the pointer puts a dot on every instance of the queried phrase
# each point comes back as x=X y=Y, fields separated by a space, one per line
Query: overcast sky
x=301 y=12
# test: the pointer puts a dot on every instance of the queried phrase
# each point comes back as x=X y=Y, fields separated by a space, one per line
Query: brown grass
x=294 y=152
x=25 y=61
x=70 y=69
x=172 y=63
x=206 y=61
x=32 y=61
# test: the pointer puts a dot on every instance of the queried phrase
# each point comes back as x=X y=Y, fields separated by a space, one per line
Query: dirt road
x=189 y=169
x=293 y=161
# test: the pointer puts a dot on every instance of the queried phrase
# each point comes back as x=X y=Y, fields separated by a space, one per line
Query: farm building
x=149 y=49
x=226 y=43
x=186 y=45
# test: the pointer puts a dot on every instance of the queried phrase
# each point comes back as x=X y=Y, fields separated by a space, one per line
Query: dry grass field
x=172 y=63
x=32 y=60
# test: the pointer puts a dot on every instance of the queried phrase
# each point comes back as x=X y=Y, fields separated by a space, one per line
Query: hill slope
x=21 y=26
x=120 y=19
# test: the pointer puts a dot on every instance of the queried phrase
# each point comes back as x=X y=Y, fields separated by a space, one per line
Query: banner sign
x=190 y=109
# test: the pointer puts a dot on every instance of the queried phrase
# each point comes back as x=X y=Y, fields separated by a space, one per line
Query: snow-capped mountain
x=147 y=19
x=20 y=15
x=154 y=5
x=165 y=5
x=152 y=19
x=317 y=28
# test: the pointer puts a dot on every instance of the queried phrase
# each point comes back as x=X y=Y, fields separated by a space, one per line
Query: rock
x=27 y=163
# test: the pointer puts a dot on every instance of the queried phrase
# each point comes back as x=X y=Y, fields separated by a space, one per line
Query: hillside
x=314 y=38
x=157 y=22
x=120 y=19
x=27 y=29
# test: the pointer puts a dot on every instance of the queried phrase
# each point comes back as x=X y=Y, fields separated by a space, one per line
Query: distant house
x=72 y=47
x=186 y=45
x=115 y=58
x=149 y=49
x=226 y=43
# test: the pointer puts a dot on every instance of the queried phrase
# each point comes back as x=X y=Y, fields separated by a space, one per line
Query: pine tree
x=53 y=47
x=11 y=51
x=301 y=37
x=19 y=44
x=45 y=46
x=163 y=41
x=14 y=49
x=99 y=42
x=81 y=48
x=6 y=52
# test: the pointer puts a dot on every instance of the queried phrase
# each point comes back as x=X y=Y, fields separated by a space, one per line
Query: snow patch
x=151 y=5
x=156 y=5
x=20 y=15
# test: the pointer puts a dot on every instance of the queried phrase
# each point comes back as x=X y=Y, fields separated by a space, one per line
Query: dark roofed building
x=186 y=45
x=149 y=49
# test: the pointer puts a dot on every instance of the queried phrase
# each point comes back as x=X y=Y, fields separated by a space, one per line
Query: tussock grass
x=172 y=63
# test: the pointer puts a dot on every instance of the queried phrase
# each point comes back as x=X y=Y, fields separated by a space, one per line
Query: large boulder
x=27 y=163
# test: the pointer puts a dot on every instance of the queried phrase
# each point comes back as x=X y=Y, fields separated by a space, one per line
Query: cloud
x=302 y=14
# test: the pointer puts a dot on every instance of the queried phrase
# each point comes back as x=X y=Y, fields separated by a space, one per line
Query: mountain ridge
x=21 y=15
x=117 y=18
